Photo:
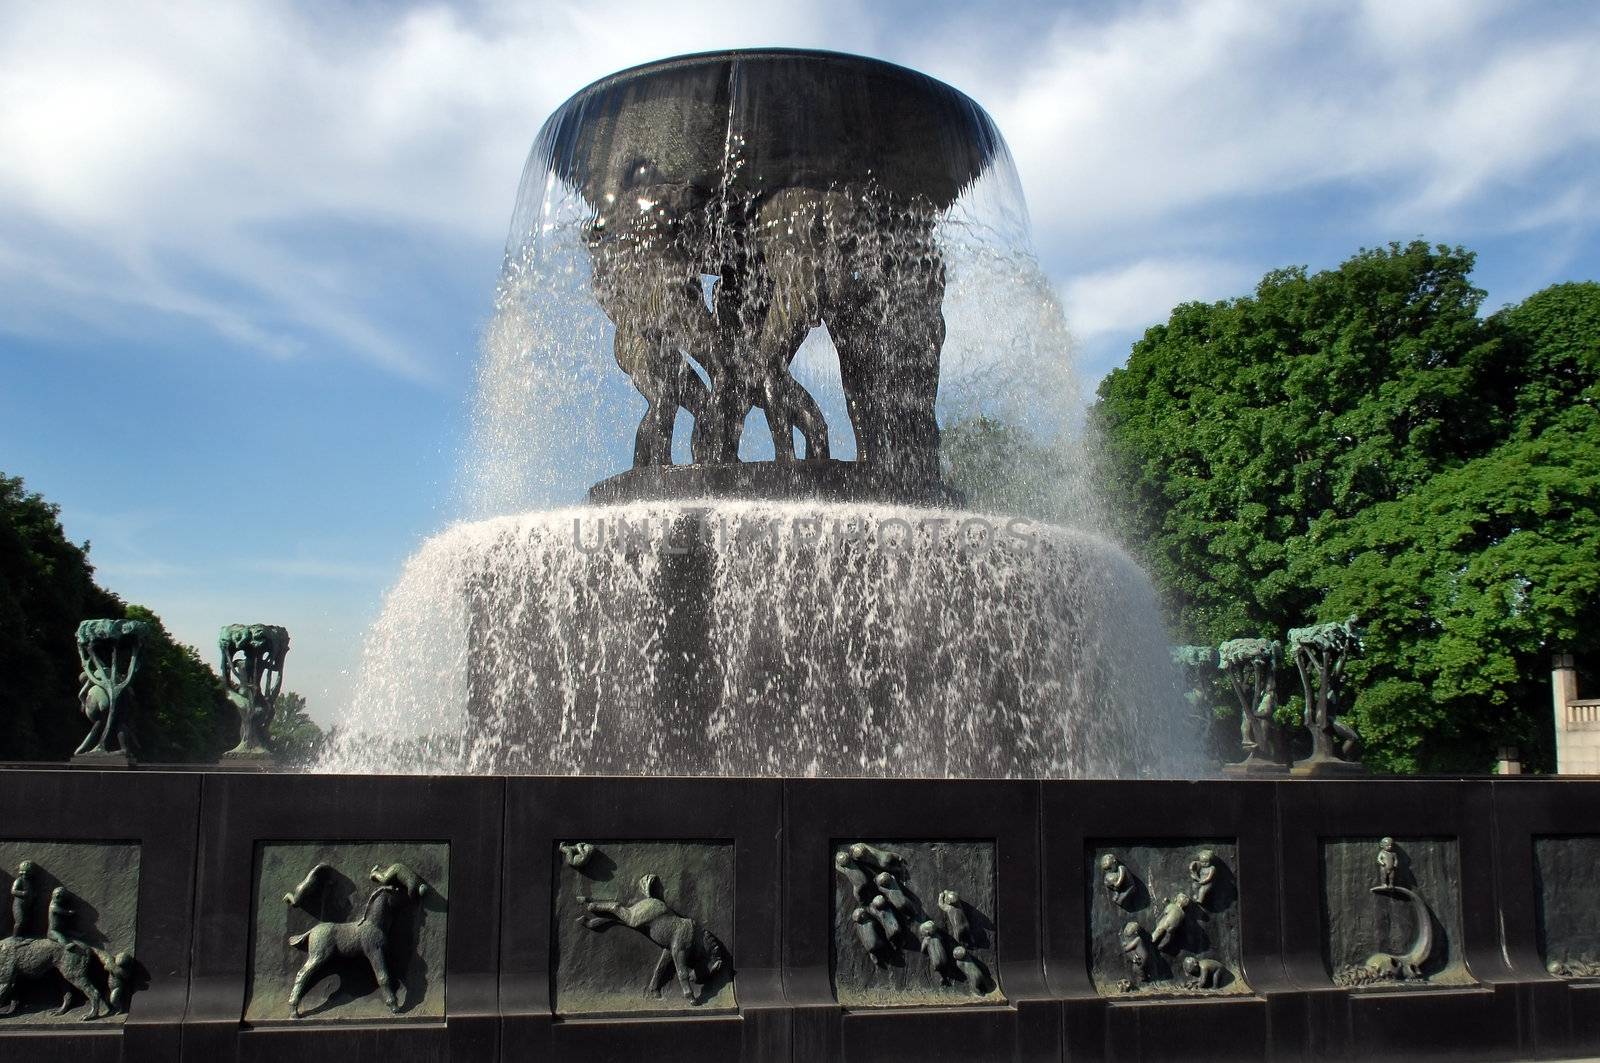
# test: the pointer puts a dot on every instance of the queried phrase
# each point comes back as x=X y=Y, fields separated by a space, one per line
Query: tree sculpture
x=1320 y=652
x=1195 y=663
x=108 y=652
x=1252 y=669
x=252 y=675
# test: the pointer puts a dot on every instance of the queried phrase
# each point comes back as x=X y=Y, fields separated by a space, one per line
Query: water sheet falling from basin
x=754 y=638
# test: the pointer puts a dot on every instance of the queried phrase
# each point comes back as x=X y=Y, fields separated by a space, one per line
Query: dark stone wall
x=193 y=867
x=1568 y=905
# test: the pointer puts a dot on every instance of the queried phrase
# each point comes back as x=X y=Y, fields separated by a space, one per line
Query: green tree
x=1005 y=468
x=1361 y=441
x=180 y=712
x=46 y=587
x=1468 y=584
x=295 y=736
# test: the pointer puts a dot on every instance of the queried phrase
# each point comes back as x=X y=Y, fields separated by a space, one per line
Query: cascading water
x=799 y=243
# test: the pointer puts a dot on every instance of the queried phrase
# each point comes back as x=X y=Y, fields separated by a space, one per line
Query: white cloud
x=1123 y=127
x=1130 y=298
x=144 y=145
x=161 y=154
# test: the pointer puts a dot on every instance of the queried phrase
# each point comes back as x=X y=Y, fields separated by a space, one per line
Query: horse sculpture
x=686 y=947
x=367 y=937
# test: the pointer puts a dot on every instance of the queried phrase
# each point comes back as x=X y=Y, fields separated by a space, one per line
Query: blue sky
x=246 y=249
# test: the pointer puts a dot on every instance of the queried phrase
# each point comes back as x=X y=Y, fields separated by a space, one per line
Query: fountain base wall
x=1504 y=868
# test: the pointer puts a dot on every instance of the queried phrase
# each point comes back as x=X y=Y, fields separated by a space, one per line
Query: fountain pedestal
x=819 y=479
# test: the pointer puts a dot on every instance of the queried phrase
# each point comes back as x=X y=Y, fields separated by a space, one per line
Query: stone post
x=1508 y=761
x=1563 y=692
x=1577 y=721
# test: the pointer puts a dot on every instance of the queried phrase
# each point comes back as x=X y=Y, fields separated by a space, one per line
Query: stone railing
x=1585 y=714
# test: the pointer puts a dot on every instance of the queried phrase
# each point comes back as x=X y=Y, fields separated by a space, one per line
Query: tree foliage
x=1362 y=441
x=1004 y=468
x=998 y=466
x=46 y=587
x=295 y=737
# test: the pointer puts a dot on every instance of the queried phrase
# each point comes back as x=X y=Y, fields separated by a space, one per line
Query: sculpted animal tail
x=300 y=941
x=716 y=953
x=1422 y=948
x=1409 y=962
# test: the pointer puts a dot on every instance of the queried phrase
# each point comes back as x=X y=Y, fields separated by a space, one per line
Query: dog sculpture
x=29 y=958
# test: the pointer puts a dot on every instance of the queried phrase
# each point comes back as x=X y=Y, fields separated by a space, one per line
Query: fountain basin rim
x=942 y=780
x=738 y=54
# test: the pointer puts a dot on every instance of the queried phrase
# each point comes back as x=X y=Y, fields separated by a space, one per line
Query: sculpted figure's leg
x=659 y=976
x=303 y=979
x=78 y=975
x=787 y=403
x=719 y=422
x=917 y=330
x=602 y=914
x=93 y=737
x=730 y=397
x=808 y=417
x=691 y=394
x=780 y=421
x=680 y=961
x=373 y=948
x=112 y=728
x=653 y=442
x=853 y=339
x=635 y=354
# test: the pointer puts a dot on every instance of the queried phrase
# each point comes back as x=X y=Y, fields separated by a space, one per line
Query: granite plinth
x=1501 y=862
